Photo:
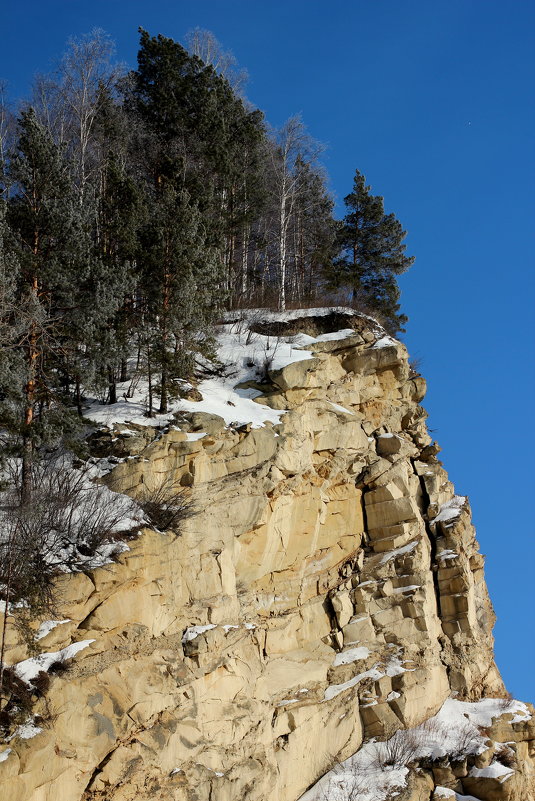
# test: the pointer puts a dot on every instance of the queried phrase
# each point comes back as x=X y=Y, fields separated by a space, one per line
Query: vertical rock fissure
x=432 y=543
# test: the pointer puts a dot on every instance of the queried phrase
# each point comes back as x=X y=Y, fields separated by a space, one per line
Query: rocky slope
x=328 y=589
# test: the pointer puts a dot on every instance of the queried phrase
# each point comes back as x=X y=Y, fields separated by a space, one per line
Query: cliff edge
x=326 y=592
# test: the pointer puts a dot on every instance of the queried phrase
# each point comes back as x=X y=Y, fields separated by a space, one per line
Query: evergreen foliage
x=135 y=208
x=372 y=254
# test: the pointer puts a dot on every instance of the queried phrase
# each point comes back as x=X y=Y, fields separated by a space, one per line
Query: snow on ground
x=378 y=768
x=245 y=356
x=29 y=669
x=87 y=518
x=451 y=510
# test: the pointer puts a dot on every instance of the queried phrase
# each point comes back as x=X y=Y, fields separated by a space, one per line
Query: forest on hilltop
x=136 y=206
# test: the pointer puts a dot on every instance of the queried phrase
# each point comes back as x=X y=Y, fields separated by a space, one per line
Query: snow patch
x=408 y=588
x=48 y=625
x=26 y=731
x=245 y=357
x=340 y=408
x=493 y=771
x=28 y=669
x=385 y=342
x=389 y=555
x=443 y=556
x=335 y=689
x=193 y=632
x=454 y=730
x=351 y=655
x=450 y=511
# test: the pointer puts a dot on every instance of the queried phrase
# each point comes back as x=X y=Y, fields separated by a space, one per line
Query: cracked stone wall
x=329 y=588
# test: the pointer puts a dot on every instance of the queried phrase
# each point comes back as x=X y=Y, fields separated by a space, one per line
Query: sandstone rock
x=215 y=654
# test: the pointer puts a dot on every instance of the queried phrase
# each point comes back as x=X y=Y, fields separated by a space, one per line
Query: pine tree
x=180 y=277
x=184 y=113
x=372 y=254
x=12 y=327
x=63 y=289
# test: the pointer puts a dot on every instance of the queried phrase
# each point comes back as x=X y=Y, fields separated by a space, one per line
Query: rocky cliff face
x=328 y=590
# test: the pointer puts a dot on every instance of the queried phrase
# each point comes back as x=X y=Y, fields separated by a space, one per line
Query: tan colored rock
x=214 y=649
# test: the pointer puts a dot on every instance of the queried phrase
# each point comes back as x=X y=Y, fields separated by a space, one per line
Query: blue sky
x=433 y=101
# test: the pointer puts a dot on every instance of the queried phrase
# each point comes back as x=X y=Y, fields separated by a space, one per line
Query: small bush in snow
x=467 y=740
x=399 y=750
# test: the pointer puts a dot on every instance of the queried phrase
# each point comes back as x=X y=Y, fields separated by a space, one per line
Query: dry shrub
x=167 y=505
x=467 y=741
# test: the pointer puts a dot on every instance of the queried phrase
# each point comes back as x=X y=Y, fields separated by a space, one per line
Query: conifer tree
x=182 y=107
x=372 y=254
x=11 y=330
x=64 y=291
x=180 y=276
x=43 y=216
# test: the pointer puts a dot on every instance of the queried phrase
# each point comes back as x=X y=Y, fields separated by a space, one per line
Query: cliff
x=327 y=589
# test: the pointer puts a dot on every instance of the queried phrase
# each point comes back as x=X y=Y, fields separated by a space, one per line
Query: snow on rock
x=444 y=792
x=193 y=632
x=4 y=755
x=385 y=342
x=450 y=511
x=454 y=730
x=28 y=669
x=339 y=408
x=335 y=689
x=407 y=588
x=493 y=771
x=410 y=546
x=351 y=655
x=47 y=626
x=395 y=667
x=443 y=556
x=481 y=713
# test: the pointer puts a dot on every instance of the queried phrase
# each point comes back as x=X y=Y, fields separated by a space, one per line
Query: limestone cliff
x=328 y=589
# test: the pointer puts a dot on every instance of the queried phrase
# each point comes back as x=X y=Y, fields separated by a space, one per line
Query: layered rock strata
x=327 y=589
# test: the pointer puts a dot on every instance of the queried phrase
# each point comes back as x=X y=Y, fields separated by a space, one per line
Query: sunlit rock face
x=327 y=589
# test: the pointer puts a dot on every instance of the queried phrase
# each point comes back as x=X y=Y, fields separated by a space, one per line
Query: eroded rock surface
x=328 y=589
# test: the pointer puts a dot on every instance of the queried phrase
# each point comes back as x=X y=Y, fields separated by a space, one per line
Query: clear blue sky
x=433 y=101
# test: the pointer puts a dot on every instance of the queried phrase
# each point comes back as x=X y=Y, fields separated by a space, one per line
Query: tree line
x=137 y=205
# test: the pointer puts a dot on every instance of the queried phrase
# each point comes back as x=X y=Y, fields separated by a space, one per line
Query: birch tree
x=204 y=45
x=293 y=146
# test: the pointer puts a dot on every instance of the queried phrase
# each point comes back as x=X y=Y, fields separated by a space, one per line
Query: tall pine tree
x=372 y=253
